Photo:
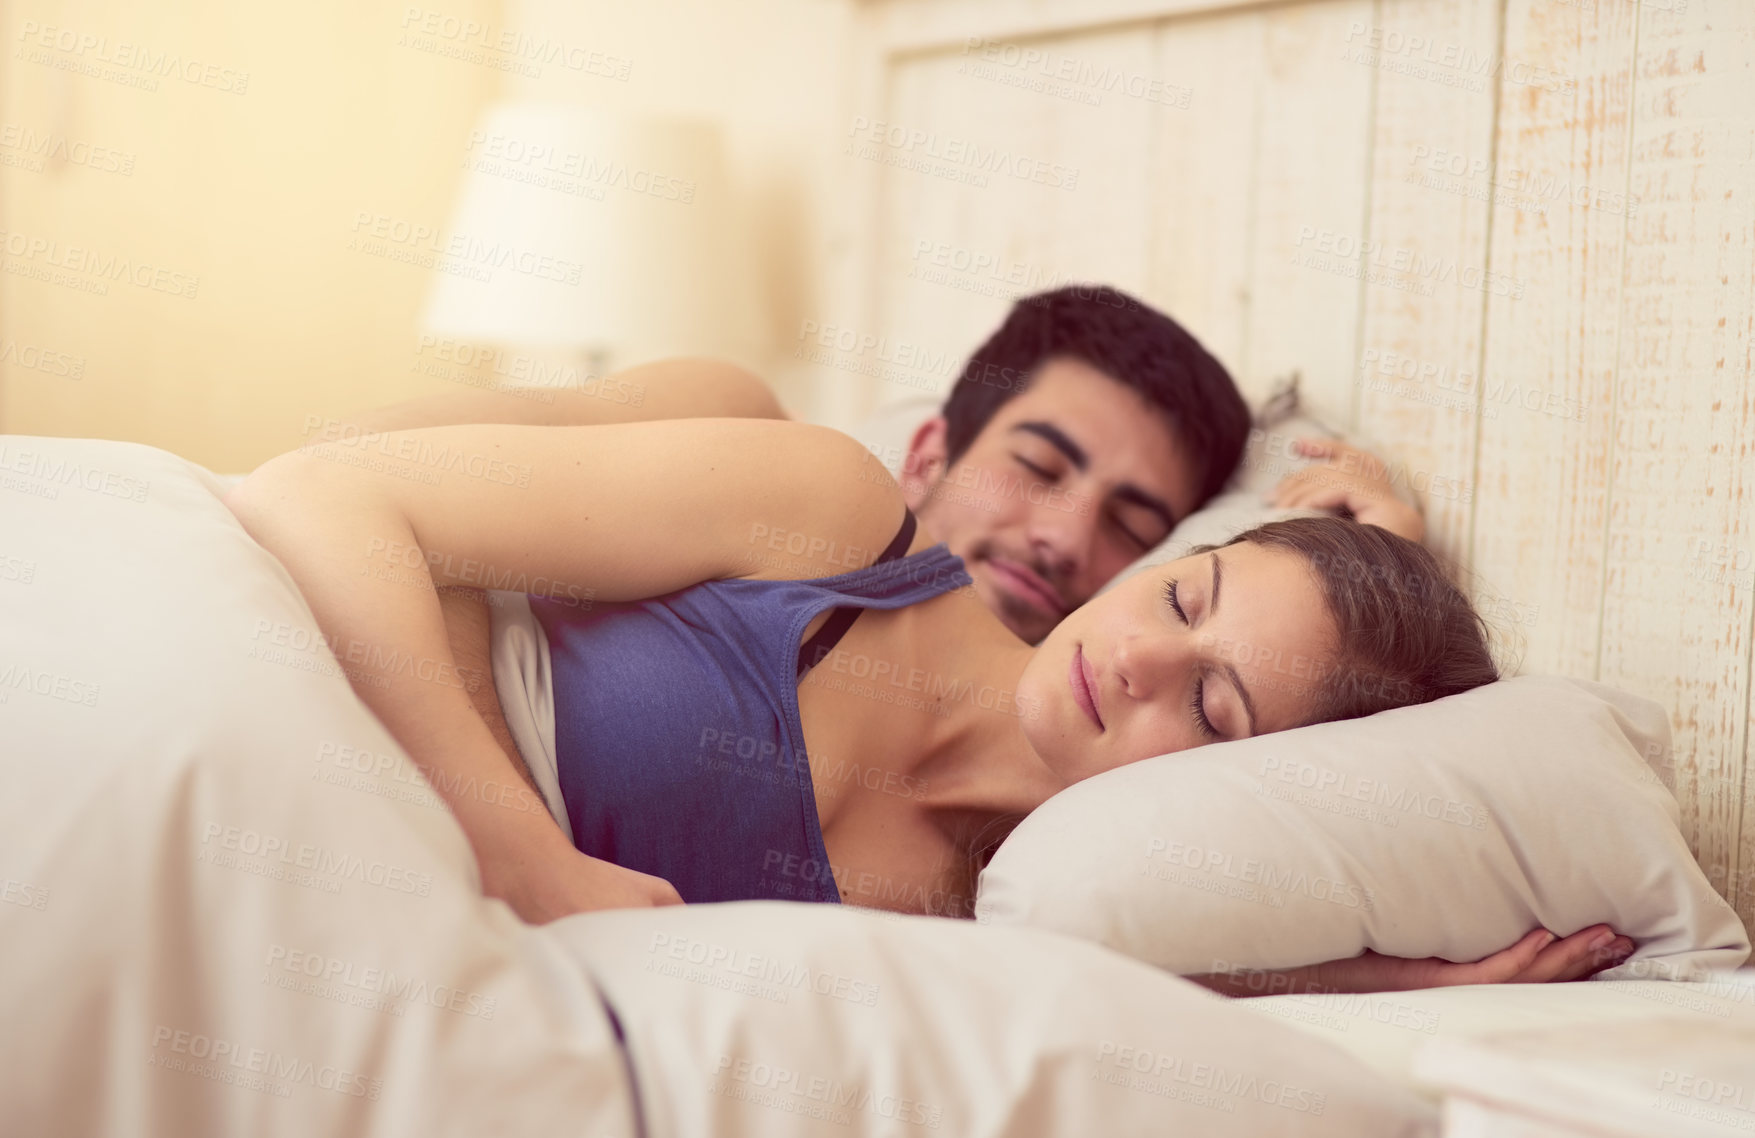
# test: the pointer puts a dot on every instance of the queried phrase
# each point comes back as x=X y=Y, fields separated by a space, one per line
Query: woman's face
x=1128 y=676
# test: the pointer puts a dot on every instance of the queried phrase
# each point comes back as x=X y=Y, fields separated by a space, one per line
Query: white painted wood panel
x=1679 y=596
x=1010 y=168
x=1417 y=373
x=1542 y=478
x=1203 y=176
x=1312 y=167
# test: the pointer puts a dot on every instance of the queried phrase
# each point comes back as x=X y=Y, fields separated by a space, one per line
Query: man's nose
x=1064 y=539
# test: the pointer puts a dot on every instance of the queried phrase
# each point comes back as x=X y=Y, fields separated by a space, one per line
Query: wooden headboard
x=1510 y=242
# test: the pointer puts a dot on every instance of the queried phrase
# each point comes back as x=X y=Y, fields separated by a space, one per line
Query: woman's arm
x=692 y=387
x=367 y=529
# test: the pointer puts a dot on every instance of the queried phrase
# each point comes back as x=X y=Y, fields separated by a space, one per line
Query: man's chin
x=1026 y=621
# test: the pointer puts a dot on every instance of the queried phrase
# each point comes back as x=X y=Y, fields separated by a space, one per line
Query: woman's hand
x=1538 y=958
x=561 y=881
x=1351 y=479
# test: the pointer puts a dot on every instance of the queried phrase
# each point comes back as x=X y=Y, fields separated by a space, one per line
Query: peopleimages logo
x=898 y=145
x=1252 y=871
x=224 y=1060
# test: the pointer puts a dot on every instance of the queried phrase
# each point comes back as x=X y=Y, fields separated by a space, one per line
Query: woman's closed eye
x=1196 y=705
x=1175 y=601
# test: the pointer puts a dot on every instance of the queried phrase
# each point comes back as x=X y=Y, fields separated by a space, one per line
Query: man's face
x=1068 y=483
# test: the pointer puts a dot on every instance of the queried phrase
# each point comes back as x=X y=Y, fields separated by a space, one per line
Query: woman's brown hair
x=1405 y=633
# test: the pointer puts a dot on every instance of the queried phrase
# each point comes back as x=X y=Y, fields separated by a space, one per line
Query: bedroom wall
x=178 y=244
x=769 y=71
x=236 y=193
x=1509 y=242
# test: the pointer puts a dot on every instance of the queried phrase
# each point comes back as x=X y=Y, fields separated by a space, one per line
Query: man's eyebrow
x=1229 y=669
x=1076 y=455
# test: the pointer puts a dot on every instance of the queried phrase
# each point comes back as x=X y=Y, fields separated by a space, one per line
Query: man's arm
x=1537 y=958
x=687 y=387
x=1350 y=479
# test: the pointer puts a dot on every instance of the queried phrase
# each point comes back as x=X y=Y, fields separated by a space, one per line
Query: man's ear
x=925 y=462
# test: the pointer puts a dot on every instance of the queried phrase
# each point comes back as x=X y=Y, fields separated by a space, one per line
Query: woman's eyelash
x=1170 y=595
x=1197 y=705
x=1200 y=712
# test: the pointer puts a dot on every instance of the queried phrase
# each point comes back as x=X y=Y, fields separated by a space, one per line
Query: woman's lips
x=1083 y=679
x=1025 y=583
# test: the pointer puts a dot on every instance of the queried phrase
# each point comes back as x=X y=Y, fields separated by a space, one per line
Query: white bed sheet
x=1388 y=1030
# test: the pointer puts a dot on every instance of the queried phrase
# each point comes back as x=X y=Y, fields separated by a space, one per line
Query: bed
x=234 y=906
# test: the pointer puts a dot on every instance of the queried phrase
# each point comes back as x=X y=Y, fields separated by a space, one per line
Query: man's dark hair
x=1128 y=341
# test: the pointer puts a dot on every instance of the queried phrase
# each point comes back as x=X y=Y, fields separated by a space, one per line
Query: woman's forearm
x=384 y=622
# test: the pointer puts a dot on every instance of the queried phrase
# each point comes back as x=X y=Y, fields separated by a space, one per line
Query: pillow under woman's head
x=1446 y=829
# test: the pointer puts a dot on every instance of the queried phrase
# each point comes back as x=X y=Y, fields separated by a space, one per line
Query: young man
x=1074 y=440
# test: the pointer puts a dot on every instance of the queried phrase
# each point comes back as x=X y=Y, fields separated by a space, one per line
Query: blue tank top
x=677 y=733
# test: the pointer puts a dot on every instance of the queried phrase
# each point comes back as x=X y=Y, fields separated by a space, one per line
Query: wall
x=245 y=197
x=1509 y=242
x=180 y=190
x=769 y=71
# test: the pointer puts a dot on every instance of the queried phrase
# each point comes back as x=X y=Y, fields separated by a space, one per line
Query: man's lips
x=1083 y=678
x=1022 y=581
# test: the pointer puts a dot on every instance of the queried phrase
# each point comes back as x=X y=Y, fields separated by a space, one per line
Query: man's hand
x=1350 y=479
x=1538 y=958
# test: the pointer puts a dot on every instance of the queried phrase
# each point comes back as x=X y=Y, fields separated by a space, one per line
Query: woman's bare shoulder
x=851 y=513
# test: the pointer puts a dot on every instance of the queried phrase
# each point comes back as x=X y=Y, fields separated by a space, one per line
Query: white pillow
x=1448 y=829
x=766 y=1019
x=231 y=904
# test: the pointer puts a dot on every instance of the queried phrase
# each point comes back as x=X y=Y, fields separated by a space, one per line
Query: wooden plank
x=1002 y=181
x=1202 y=179
x=1542 y=478
x=1417 y=372
x=1312 y=170
x=1678 y=604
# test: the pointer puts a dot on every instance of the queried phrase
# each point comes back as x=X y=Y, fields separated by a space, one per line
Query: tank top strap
x=842 y=618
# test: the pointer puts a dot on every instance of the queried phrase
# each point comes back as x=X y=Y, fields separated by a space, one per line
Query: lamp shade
x=590 y=230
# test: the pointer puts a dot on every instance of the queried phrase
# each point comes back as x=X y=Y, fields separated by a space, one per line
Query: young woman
x=705 y=579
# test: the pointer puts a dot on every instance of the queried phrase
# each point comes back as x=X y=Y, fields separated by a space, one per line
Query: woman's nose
x=1148 y=664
